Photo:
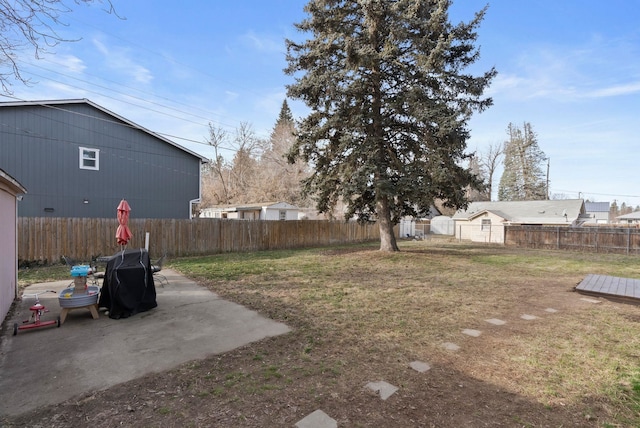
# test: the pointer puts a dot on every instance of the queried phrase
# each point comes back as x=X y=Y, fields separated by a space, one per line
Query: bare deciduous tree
x=489 y=162
x=258 y=171
x=244 y=166
x=215 y=189
x=279 y=180
x=478 y=193
x=31 y=24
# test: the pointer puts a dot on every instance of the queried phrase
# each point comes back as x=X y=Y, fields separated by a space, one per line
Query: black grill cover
x=128 y=286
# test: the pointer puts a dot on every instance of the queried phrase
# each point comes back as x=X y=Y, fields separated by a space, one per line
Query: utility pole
x=548 y=164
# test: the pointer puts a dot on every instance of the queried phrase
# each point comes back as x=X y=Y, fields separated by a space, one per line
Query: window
x=89 y=158
x=283 y=214
x=486 y=224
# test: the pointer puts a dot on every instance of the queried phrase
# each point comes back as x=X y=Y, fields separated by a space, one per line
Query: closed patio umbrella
x=123 y=234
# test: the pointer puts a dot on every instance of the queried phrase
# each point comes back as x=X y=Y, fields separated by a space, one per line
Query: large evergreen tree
x=523 y=177
x=390 y=100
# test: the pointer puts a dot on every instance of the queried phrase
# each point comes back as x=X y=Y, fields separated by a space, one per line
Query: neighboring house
x=259 y=211
x=598 y=212
x=631 y=218
x=485 y=221
x=10 y=192
x=78 y=159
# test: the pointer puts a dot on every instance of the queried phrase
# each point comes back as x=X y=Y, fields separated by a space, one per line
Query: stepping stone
x=551 y=310
x=528 y=317
x=451 y=346
x=590 y=300
x=471 y=332
x=419 y=366
x=385 y=389
x=496 y=321
x=317 y=419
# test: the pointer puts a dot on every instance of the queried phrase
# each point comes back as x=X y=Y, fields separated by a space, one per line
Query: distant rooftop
x=597 y=207
x=556 y=211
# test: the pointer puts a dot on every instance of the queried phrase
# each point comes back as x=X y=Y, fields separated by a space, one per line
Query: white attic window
x=89 y=158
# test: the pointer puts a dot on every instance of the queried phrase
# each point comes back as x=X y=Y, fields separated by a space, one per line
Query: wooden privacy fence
x=46 y=240
x=594 y=239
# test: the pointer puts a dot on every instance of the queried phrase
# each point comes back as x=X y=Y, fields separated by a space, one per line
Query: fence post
x=557 y=237
x=628 y=240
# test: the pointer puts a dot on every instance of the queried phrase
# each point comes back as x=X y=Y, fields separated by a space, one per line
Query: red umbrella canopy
x=123 y=234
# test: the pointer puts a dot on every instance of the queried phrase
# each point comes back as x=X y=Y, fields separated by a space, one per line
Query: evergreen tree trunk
x=387 y=237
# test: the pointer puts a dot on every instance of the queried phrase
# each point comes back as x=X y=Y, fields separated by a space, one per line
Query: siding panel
x=40 y=148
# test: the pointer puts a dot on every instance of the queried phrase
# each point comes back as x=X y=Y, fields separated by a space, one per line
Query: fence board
x=593 y=239
x=46 y=240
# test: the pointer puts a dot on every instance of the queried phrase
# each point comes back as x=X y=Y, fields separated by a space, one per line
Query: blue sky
x=569 y=67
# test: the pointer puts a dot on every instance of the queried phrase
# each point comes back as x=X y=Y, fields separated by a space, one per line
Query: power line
x=579 y=192
x=117 y=123
x=128 y=94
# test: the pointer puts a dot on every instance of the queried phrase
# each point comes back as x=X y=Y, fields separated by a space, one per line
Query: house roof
x=596 y=207
x=12 y=183
x=527 y=212
x=56 y=103
x=631 y=216
x=252 y=206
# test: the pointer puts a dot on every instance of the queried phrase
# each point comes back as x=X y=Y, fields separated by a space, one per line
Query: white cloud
x=271 y=102
x=119 y=60
x=263 y=43
x=569 y=73
x=71 y=63
x=614 y=91
x=231 y=96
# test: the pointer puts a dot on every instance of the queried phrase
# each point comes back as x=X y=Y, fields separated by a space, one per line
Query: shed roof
x=527 y=212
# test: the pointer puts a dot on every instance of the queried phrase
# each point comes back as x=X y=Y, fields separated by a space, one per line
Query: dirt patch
x=364 y=317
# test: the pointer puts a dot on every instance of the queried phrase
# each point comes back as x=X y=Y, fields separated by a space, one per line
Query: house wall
x=40 y=149
x=8 y=249
x=629 y=221
x=601 y=218
x=274 y=214
x=250 y=215
x=598 y=217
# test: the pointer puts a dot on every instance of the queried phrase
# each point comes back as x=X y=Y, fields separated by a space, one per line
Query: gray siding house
x=78 y=159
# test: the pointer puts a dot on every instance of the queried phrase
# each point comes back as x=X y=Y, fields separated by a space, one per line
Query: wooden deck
x=611 y=286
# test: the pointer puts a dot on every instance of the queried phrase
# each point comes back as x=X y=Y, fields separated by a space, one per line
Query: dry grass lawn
x=362 y=316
